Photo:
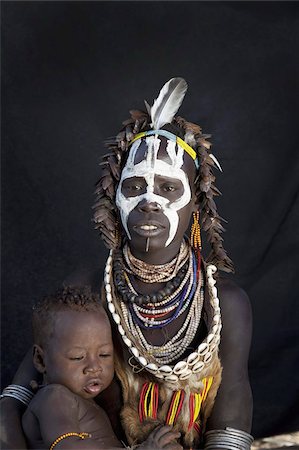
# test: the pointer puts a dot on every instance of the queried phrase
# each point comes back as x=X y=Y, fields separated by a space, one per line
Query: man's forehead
x=162 y=150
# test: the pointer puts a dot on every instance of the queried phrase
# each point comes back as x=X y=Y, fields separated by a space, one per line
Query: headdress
x=159 y=120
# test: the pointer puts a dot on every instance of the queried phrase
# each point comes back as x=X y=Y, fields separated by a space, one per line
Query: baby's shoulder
x=52 y=396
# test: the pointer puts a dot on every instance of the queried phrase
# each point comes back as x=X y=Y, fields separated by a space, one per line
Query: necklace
x=149 y=273
x=157 y=359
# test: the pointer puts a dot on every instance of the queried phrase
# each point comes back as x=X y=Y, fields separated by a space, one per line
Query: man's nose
x=146 y=206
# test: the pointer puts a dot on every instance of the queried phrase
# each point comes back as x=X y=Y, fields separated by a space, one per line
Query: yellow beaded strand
x=195 y=232
x=66 y=435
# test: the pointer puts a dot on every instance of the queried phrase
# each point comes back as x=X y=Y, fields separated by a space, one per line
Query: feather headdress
x=106 y=215
x=168 y=102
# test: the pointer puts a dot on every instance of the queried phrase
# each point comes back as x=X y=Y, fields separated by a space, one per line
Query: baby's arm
x=57 y=412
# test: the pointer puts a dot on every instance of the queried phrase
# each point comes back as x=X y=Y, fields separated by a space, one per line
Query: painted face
x=154 y=175
x=79 y=354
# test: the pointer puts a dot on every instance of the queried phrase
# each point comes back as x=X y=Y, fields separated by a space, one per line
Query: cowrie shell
x=214 y=291
x=116 y=318
x=108 y=288
x=207 y=358
x=186 y=374
x=121 y=330
x=180 y=367
x=212 y=268
x=215 y=329
x=172 y=378
x=212 y=282
x=193 y=358
x=142 y=361
x=111 y=308
x=198 y=367
x=217 y=338
x=203 y=348
x=127 y=341
x=152 y=367
x=210 y=338
x=159 y=375
x=109 y=297
x=213 y=347
x=107 y=278
x=135 y=352
x=165 y=370
x=216 y=318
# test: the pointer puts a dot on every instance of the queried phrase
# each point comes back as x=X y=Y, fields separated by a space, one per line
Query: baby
x=73 y=350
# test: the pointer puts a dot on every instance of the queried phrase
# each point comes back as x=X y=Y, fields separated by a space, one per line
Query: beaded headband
x=172 y=137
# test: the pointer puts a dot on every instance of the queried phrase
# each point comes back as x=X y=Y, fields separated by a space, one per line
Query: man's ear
x=38 y=358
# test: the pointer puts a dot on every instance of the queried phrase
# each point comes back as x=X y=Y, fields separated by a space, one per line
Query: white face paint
x=148 y=168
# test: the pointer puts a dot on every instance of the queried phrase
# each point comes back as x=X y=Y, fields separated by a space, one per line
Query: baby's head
x=73 y=342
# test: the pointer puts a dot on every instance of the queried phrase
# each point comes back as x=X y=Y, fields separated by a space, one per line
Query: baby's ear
x=38 y=358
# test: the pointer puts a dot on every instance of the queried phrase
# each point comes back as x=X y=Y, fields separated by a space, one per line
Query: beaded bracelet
x=66 y=435
x=18 y=392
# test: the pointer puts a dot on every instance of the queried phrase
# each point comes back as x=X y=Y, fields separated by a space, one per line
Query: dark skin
x=77 y=364
x=233 y=404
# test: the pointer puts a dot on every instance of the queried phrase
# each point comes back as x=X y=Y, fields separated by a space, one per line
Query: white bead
x=127 y=341
x=107 y=278
x=203 y=348
x=109 y=297
x=121 y=330
x=198 y=367
x=111 y=307
x=180 y=367
x=193 y=358
x=135 y=352
x=142 y=361
x=116 y=318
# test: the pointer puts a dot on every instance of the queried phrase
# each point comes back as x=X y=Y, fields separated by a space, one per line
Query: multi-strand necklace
x=134 y=312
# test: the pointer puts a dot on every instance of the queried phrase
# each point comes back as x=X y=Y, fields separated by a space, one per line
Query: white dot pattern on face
x=148 y=168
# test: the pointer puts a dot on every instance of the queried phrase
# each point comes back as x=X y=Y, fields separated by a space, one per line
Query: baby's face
x=79 y=354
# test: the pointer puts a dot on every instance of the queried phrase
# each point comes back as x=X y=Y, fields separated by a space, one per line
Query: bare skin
x=233 y=405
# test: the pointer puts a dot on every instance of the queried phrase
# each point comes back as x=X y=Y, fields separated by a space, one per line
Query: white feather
x=215 y=161
x=168 y=102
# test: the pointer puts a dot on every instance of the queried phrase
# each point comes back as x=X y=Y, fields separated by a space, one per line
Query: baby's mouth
x=94 y=387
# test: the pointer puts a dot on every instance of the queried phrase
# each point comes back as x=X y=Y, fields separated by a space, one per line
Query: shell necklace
x=142 y=351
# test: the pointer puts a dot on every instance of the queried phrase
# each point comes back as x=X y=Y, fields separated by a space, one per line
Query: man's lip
x=148 y=228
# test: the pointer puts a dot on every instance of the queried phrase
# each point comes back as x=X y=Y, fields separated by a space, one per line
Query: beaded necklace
x=157 y=359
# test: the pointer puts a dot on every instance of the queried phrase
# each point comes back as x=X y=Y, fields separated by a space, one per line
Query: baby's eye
x=76 y=358
x=105 y=355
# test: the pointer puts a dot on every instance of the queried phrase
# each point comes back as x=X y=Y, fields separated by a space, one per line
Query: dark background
x=70 y=73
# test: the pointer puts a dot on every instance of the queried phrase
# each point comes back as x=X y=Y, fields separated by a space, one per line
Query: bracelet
x=228 y=439
x=66 y=435
x=18 y=392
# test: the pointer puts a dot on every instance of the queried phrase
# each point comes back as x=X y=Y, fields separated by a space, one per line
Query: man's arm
x=233 y=404
x=12 y=436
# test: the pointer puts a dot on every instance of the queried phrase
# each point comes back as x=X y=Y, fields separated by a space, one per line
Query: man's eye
x=169 y=188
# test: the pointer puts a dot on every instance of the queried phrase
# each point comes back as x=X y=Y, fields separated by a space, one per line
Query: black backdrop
x=70 y=73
